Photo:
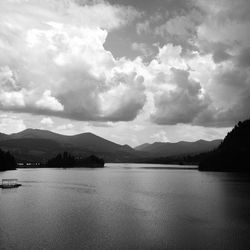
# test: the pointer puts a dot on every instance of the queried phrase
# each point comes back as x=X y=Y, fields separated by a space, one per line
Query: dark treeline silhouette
x=233 y=154
x=193 y=159
x=66 y=160
x=7 y=161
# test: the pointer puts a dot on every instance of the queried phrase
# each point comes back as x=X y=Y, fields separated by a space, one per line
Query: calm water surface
x=125 y=206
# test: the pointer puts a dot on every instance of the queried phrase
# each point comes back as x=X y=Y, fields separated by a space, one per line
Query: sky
x=131 y=71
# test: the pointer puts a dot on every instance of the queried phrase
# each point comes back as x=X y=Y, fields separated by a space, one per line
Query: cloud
x=182 y=104
x=10 y=96
x=11 y=124
x=160 y=136
x=233 y=84
x=215 y=56
x=146 y=25
x=104 y=15
x=138 y=127
x=143 y=48
x=54 y=62
x=49 y=102
x=197 y=91
x=47 y=121
x=143 y=27
x=243 y=59
x=180 y=29
x=65 y=126
x=220 y=52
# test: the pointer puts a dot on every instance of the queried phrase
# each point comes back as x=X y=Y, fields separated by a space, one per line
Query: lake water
x=125 y=206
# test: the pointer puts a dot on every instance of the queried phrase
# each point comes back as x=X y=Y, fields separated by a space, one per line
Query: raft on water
x=10 y=183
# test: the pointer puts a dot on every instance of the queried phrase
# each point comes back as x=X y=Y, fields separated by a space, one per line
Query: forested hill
x=7 y=161
x=233 y=154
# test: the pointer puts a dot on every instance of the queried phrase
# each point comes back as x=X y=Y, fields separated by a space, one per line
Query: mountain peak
x=32 y=132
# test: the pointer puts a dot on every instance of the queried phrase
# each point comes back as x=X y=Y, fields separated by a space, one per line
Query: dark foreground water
x=125 y=207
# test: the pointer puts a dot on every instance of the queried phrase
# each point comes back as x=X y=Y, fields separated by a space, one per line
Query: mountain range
x=40 y=145
x=165 y=149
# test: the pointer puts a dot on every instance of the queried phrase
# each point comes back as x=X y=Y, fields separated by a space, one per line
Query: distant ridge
x=40 y=145
x=142 y=147
x=164 y=149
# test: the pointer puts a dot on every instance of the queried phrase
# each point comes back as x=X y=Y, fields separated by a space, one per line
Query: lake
x=125 y=206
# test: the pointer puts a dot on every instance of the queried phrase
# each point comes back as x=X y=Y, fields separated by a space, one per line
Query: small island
x=66 y=160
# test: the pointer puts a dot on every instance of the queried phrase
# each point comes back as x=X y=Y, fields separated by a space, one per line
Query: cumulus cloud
x=182 y=104
x=11 y=124
x=47 y=121
x=67 y=129
x=10 y=95
x=54 y=62
x=201 y=75
x=180 y=29
x=160 y=136
x=65 y=126
x=146 y=25
x=49 y=102
x=143 y=48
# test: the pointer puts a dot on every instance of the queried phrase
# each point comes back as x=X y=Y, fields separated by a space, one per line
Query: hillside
x=234 y=152
x=161 y=149
x=40 y=145
x=142 y=147
x=3 y=136
x=85 y=140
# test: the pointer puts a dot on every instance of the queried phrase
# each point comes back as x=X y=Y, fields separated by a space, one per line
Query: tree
x=7 y=161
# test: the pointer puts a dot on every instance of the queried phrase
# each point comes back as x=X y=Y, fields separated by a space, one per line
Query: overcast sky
x=131 y=71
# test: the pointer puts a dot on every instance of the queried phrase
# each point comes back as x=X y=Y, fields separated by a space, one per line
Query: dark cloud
x=150 y=6
x=219 y=52
x=181 y=105
x=243 y=60
x=232 y=89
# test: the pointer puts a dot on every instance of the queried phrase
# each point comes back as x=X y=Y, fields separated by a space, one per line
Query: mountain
x=38 y=134
x=28 y=149
x=164 y=149
x=88 y=141
x=40 y=145
x=233 y=154
x=3 y=136
x=142 y=147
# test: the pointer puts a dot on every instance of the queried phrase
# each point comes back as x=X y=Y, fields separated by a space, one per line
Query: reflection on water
x=125 y=206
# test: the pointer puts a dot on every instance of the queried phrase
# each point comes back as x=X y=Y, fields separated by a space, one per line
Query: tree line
x=66 y=160
x=7 y=161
